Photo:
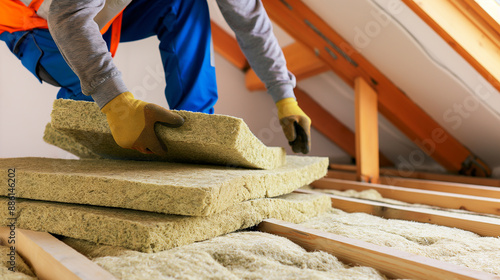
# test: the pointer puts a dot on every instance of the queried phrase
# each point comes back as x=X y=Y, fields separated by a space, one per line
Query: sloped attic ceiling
x=420 y=63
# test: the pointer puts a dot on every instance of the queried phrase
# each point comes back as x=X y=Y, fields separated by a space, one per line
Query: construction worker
x=67 y=43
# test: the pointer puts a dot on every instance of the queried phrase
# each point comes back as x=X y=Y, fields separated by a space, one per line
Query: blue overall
x=183 y=28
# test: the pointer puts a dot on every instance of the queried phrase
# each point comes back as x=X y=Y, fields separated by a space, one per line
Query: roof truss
x=308 y=28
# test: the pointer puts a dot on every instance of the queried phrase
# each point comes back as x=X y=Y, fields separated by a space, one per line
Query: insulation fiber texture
x=442 y=243
x=171 y=188
x=152 y=232
x=241 y=255
x=203 y=138
x=67 y=143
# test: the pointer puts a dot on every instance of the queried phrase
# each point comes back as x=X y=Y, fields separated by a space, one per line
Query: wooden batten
x=435 y=198
x=422 y=215
x=391 y=262
x=50 y=258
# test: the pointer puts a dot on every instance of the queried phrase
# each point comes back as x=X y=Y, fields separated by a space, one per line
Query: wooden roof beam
x=366 y=116
x=330 y=126
x=228 y=47
x=299 y=60
x=322 y=120
x=466 y=28
x=308 y=28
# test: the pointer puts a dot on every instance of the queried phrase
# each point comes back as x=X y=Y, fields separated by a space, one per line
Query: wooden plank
x=426 y=175
x=465 y=31
x=228 y=47
x=302 y=62
x=345 y=172
x=344 y=175
x=422 y=215
x=389 y=261
x=308 y=28
x=442 y=177
x=366 y=116
x=458 y=188
x=440 y=199
x=488 y=11
x=50 y=258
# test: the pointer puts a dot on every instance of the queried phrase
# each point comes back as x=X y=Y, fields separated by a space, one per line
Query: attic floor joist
x=51 y=258
x=391 y=262
x=308 y=28
x=435 y=198
x=422 y=215
x=466 y=28
x=341 y=171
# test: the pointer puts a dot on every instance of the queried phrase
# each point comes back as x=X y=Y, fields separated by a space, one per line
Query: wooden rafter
x=299 y=60
x=322 y=120
x=422 y=215
x=50 y=258
x=389 y=261
x=435 y=198
x=228 y=47
x=308 y=28
x=461 y=25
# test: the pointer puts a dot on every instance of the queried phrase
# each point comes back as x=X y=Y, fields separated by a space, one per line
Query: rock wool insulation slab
x=67 y=143
x=152 y=232
x=241 y=255
x=171 y=188
x=442 y=243
x=203 y=138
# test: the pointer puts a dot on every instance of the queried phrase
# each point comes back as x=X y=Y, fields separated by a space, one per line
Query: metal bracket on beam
x=473 y=166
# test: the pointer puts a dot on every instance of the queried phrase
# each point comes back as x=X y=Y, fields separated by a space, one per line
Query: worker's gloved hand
x=132 y=123
x=296 y=125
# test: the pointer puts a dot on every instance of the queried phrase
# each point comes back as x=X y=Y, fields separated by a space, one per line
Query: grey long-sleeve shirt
x=77 y=35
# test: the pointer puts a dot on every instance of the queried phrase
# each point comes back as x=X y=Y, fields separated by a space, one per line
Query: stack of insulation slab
x=228 y=180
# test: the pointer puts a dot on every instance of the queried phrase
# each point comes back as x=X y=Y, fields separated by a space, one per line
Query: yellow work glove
x=132 y=123
x=296 y=125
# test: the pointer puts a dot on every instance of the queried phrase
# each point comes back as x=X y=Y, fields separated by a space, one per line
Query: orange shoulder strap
x=116 y=30
x=15 y=16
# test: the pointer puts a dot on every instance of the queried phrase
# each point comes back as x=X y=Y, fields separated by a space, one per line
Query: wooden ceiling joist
x=50 y=258
x=472 y=203
x=457 y=188
x=467 y=29
x=391 y=262
x=422 y=215
x=299 y=60
x=347 y=172
x=306 y=27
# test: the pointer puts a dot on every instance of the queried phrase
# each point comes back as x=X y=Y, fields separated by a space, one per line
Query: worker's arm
x=71 y=24
x=254 y=34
